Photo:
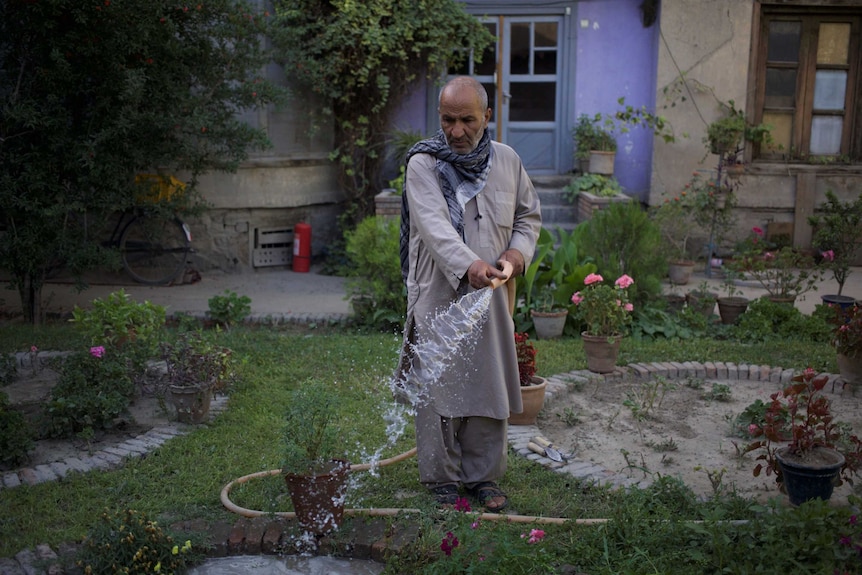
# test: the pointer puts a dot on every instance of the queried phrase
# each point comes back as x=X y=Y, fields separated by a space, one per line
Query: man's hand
x=480 y=274
x=515 y=258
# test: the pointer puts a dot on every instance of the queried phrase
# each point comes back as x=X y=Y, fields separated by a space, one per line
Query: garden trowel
x=548 y=449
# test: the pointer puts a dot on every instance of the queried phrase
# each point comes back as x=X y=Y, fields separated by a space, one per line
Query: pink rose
x=829 y=255
x=624 y=281
x=629 y=307
x=593 y=278
x=577 y=298
x=97 y=351
x=33 y=349
x=757 y=231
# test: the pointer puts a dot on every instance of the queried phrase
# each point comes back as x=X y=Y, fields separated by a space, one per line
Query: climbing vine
x=361 y=59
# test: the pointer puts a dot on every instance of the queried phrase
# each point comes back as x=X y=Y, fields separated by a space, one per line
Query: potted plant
x=606 y=312
x=601 y=144
x=847 y=340
x=675 y=218
x=532 y=386
x=726 y=136
x=549 y=318
x=584 y=135
x=196 y=368
x=555 y=268
x=593 y=192
x=702 y=299
x=784 y=273
x=314 y=458
x=733 y=304
x=801 y=443
x=837 y=235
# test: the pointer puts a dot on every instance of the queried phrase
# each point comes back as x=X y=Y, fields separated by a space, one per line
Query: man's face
x=462 y=118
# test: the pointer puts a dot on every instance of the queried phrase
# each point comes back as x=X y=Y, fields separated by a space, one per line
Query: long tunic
x=482 y=379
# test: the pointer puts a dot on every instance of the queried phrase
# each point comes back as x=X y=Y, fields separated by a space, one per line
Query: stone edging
x=107 y=458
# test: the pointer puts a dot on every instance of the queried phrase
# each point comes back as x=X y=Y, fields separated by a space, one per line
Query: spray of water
x=450 y=331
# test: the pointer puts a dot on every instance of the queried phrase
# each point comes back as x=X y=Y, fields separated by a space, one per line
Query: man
x=468 y=206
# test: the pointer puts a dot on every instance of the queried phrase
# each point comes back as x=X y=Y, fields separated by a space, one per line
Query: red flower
x=449 y=543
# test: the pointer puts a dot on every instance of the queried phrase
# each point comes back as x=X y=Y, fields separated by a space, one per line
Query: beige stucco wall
x=704 y=57
x=264 y=194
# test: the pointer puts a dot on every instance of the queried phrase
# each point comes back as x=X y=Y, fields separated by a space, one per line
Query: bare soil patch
x=680 y=428
x=29 y=393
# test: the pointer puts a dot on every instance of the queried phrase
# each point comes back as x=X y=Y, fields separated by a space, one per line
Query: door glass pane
x=783 y=42
x=519 y=61
x=782 y=129
x=533 y=101
x=546 y=34
x=833 y=43
x=780 y=88
x=545 y=62
x=829 y=87
x=826 y=135
x=489 y=56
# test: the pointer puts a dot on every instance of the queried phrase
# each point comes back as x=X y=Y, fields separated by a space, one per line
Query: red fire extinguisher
x=301 y=247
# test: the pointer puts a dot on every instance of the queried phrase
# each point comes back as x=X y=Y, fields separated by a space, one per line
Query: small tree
x=93 y=92
x=838 y=227
x=362 y=58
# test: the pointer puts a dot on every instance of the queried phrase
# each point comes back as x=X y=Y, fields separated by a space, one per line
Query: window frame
x=811 y=16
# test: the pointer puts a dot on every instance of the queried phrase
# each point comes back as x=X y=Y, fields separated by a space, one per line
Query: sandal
x=485 y=493
x=446 y=494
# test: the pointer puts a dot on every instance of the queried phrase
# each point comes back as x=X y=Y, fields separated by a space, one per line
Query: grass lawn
x=649 y=531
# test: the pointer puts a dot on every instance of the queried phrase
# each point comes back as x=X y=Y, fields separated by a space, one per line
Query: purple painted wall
x=617 y=57
x=614 y=56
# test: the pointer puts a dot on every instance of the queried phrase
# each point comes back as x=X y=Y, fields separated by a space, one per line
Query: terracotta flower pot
x=602 y=352
x=730 y=308
x=533 y=398
x=318 y=500
x=192 y=403
x=680 y=272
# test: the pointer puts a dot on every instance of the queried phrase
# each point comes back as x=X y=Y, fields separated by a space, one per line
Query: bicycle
x=153 y=248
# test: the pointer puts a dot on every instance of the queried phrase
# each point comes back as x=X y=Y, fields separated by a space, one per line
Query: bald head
x=462 y=82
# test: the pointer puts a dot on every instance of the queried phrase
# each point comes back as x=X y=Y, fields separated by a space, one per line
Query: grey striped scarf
x=462 y=176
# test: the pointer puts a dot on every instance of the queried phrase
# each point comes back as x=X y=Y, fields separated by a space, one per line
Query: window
x=808 y=80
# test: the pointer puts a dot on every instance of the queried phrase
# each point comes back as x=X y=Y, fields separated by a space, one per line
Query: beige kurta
x=482 y=380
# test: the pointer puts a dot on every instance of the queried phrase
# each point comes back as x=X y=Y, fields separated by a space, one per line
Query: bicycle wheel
x=154 y=249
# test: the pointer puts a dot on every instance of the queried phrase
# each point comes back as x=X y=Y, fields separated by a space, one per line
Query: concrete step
x=557 y=210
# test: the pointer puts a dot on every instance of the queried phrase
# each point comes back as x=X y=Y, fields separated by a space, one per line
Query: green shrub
x=229 y=308
x=375 y=272
x=765 y=319
x=130 y=328
x=93 y=389
x=16 y=436
x=623 y=240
